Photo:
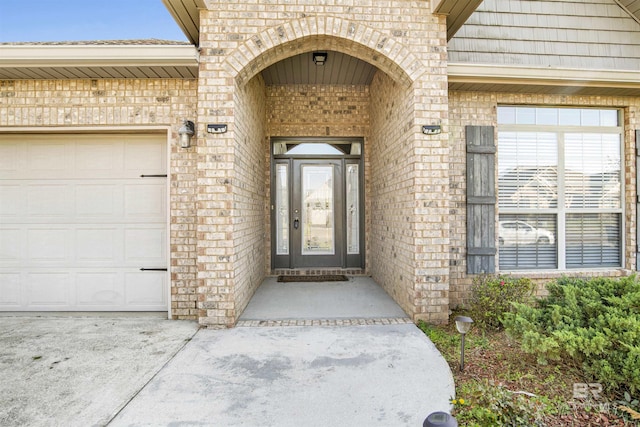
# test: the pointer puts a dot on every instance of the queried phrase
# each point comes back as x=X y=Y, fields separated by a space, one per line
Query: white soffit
x=75 y=61
x=483 y=77
x=456 y=11
x=187 y=15
x=97 y=55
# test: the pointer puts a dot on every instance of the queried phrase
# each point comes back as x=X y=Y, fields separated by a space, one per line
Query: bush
x=491 y=297
x=489 y=405
x=595 y=322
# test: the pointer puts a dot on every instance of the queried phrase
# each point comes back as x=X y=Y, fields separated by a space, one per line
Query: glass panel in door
x=318 y=215
x=317 y=238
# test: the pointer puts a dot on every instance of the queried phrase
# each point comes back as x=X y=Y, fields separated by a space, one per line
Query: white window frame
x=561 y=211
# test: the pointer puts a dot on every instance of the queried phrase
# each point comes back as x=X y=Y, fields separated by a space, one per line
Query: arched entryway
x=367 y=90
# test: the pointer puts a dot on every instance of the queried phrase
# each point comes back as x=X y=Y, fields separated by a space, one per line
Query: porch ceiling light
x=186 y=132
x=463 y=324
x=319 y=58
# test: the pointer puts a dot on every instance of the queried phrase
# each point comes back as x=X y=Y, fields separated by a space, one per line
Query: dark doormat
x=322 y=278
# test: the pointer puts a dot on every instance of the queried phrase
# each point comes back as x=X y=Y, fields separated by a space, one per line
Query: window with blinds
x=559 y=188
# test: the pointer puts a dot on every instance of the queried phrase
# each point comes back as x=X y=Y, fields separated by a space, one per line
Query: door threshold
x=318 y=272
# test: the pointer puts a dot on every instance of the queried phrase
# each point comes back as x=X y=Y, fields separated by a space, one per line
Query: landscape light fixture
x=217 y=128
x=440 y=419
x=463 y=324
x=186 y=132
x=431 y=129
x=319 y=58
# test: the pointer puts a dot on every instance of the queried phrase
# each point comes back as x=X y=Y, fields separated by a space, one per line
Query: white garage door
x=79 y=220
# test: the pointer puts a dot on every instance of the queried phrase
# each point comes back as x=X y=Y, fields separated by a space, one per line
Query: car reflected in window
x=512 y=233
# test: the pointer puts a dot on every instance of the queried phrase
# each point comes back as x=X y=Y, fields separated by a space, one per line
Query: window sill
x=553 y=274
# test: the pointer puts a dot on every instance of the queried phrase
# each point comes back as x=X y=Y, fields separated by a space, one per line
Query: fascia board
x=524 y=75
x=97 y=55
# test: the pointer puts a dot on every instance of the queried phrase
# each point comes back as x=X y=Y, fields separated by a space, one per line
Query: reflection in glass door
x=317 y=198
x=317 y=214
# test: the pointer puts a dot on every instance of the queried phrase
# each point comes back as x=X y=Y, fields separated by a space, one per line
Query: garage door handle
x=153 y=176
x=153 y=269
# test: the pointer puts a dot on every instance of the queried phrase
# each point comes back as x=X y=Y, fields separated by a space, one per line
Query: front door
x=316 y=205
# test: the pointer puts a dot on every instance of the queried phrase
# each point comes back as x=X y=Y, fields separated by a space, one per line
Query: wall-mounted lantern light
x=463 y=324
x=440 y=419
x=186 y=132
x=319 y=58
x=217 y=128
x=431 y=129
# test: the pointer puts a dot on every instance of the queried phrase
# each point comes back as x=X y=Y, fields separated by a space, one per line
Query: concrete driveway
x=80 y=371
x=83 y=371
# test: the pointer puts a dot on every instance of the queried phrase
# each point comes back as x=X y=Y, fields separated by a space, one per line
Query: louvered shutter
x=481 y=199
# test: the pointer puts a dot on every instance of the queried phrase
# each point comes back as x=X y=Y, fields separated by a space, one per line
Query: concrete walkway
x=358 y=298
x=147 y=371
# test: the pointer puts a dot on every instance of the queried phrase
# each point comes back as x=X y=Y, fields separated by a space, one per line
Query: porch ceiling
x=339 y=69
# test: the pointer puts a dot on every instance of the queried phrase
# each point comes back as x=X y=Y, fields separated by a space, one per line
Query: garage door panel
x=104 y=289
x=97 y=156
x=10 y=290
x=98 y=200
x=98 y=246
x=145 y=200
x=48 y=200
x=77 y=222
x=49 y=289
x=11 y=201
x=11 y=246
x=48 y=245
x=145 y=289
x=144 y=247
x=145 y=155
x=48 y=158
x=10 y=160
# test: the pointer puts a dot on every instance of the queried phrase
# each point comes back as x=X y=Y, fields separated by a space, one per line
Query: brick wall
x=392 y=253
x=121 y=104
x=405 y=42
x=318 y=110
x=249 y=194
x=474 y=108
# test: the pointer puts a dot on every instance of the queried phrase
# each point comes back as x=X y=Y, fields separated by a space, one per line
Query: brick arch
x=331 y=33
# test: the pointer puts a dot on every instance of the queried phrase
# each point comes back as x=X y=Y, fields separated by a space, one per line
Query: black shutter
x=481 y=200
x=637 y=199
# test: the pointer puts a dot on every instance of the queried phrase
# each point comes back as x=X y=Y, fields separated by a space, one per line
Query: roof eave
x=97 y=55
x=526 y=76
x=456 y=11
x=186 y=13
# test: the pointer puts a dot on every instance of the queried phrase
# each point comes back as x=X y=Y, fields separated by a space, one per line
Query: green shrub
x=491 y=297
x=488 y=405
x=595 y=322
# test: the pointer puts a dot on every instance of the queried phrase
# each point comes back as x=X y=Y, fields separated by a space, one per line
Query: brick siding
x=119 y=105
x=475 y=108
